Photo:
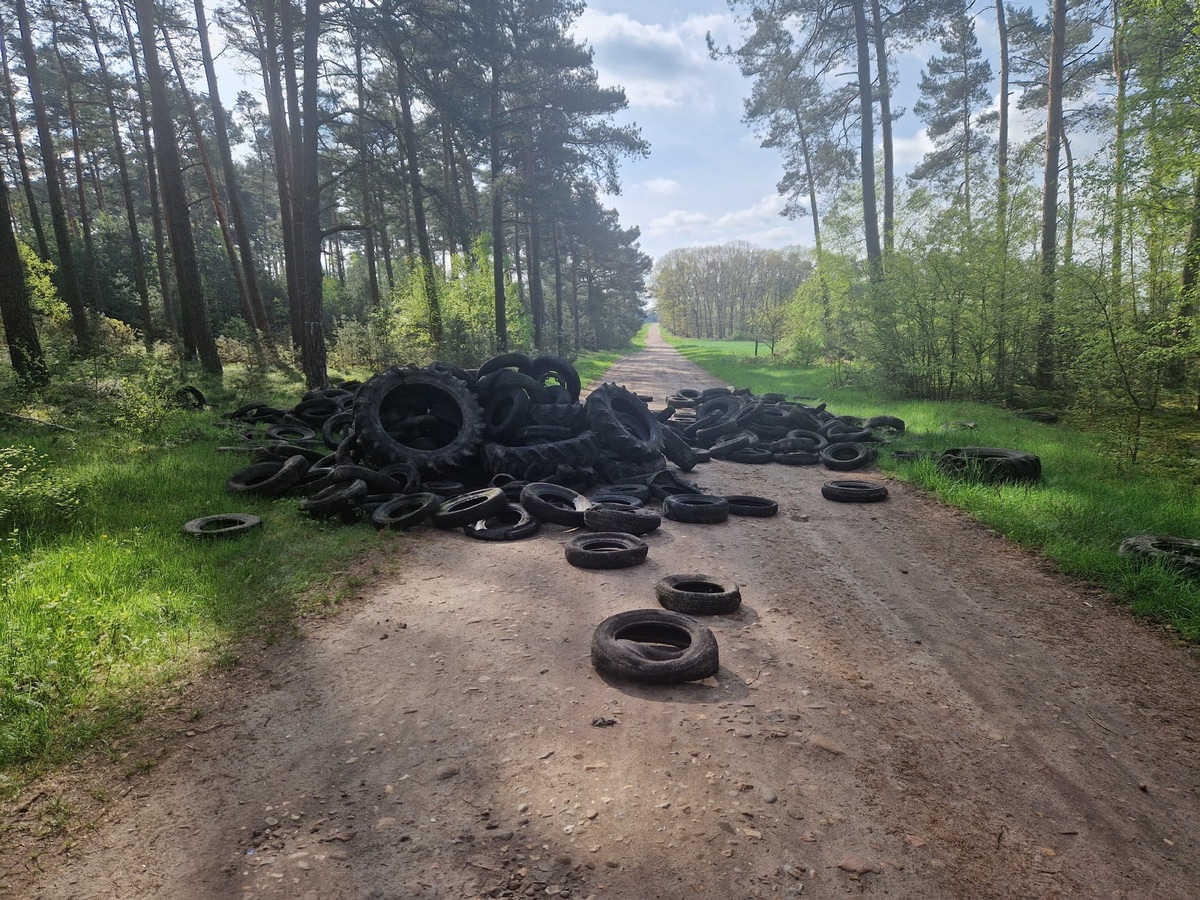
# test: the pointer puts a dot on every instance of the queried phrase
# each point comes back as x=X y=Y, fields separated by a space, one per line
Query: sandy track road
x=907 y=706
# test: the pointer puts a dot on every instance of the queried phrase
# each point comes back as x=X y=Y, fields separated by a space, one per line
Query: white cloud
x=909 y=151
x=758 y=223
x=659 y=65
x=660 y=187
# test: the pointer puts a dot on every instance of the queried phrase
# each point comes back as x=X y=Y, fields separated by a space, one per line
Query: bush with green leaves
x=32 y=493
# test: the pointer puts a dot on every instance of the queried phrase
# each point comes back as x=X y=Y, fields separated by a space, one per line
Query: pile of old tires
x=741 y=427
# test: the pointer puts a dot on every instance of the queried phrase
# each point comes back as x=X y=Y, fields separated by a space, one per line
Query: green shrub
x=30 y=493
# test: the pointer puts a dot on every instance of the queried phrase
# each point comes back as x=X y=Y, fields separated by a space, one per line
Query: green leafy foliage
x=33 y=493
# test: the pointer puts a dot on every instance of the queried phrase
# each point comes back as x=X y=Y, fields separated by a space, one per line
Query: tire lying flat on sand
x=697 y=595
x=654 y=646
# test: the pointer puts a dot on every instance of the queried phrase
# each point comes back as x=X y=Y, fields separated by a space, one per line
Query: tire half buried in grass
x=654 y=646
x=222 y=525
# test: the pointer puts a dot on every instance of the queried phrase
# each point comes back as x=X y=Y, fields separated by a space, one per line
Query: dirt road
x=907 y=705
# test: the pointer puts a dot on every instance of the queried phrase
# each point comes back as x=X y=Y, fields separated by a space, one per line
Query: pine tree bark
x=170 y=171
x=90 y=270
x=1045 y=369
x=67 y=280
x=20 y=331
x=237 y=213
x=135 y=239
x=161 y=261
x=885 y=128
x=35 y=215
x=867 y=145
x=417 y=192
x=1002 y=190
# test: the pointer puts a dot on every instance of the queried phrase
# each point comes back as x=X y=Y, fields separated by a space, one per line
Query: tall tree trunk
x=867 y=145
x=1190 y=276
x=417 y=193
x=826 y=300
x=20 y=332
x=68 y=279
x=573 y=249
x=1045 y=375
x=283 y=110
x=1120 y=75
x=537 y=301
x=1002 y=136
x=364 y=179
x=170 y=172
x=214 y=196
x=885 y=128
x=91 y=272
x=170 y=307
x=135 y=239
x=558 y=292
x=499 y=284
x=1069 y=226
x=308 y=204
x=237 y=213
x=35 y=215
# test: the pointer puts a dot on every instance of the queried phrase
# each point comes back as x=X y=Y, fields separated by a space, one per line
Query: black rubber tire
x=257 y=412
x=699 y=509
x=625 y=521
x=502 y=361
x=748 y=505
x=892 y=422
x=992 y=463
x=755 y=456
x=846 y=457
x=620 y=642
x=555 y=503
x=729 y=444
x=797 y=458
x=622 y=423
x=377 y=482
x=606 y=550
x=405 y=512
x=1045 y=417
x=697 y=595
x=616 y=501
x=291 y=433
x=222 y=525
x=190 y=397
x=564 y=415
x=268 y=479
x=641 y=491
x=854 y=491
x=404 y=474
x=335 y=499
x=511 y=522
x=1181 y=553
x=677 y=450
x=469 y=507
x=444 y=488
x=505 y=412
x=337 y=428
x=619 y=471
x=667 y=484
x=555 y=367
x=423 y=390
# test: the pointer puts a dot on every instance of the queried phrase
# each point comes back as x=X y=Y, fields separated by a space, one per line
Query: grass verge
x=1091 y=497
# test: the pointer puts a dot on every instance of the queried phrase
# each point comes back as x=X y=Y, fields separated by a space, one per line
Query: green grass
x=594 y=364
x=105 y=599
x=1092 y=495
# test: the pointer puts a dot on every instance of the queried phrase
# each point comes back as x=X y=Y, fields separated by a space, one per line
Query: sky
x=707 y=180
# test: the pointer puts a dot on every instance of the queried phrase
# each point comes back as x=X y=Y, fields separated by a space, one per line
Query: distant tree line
x=999 y=266
x=420 y=178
